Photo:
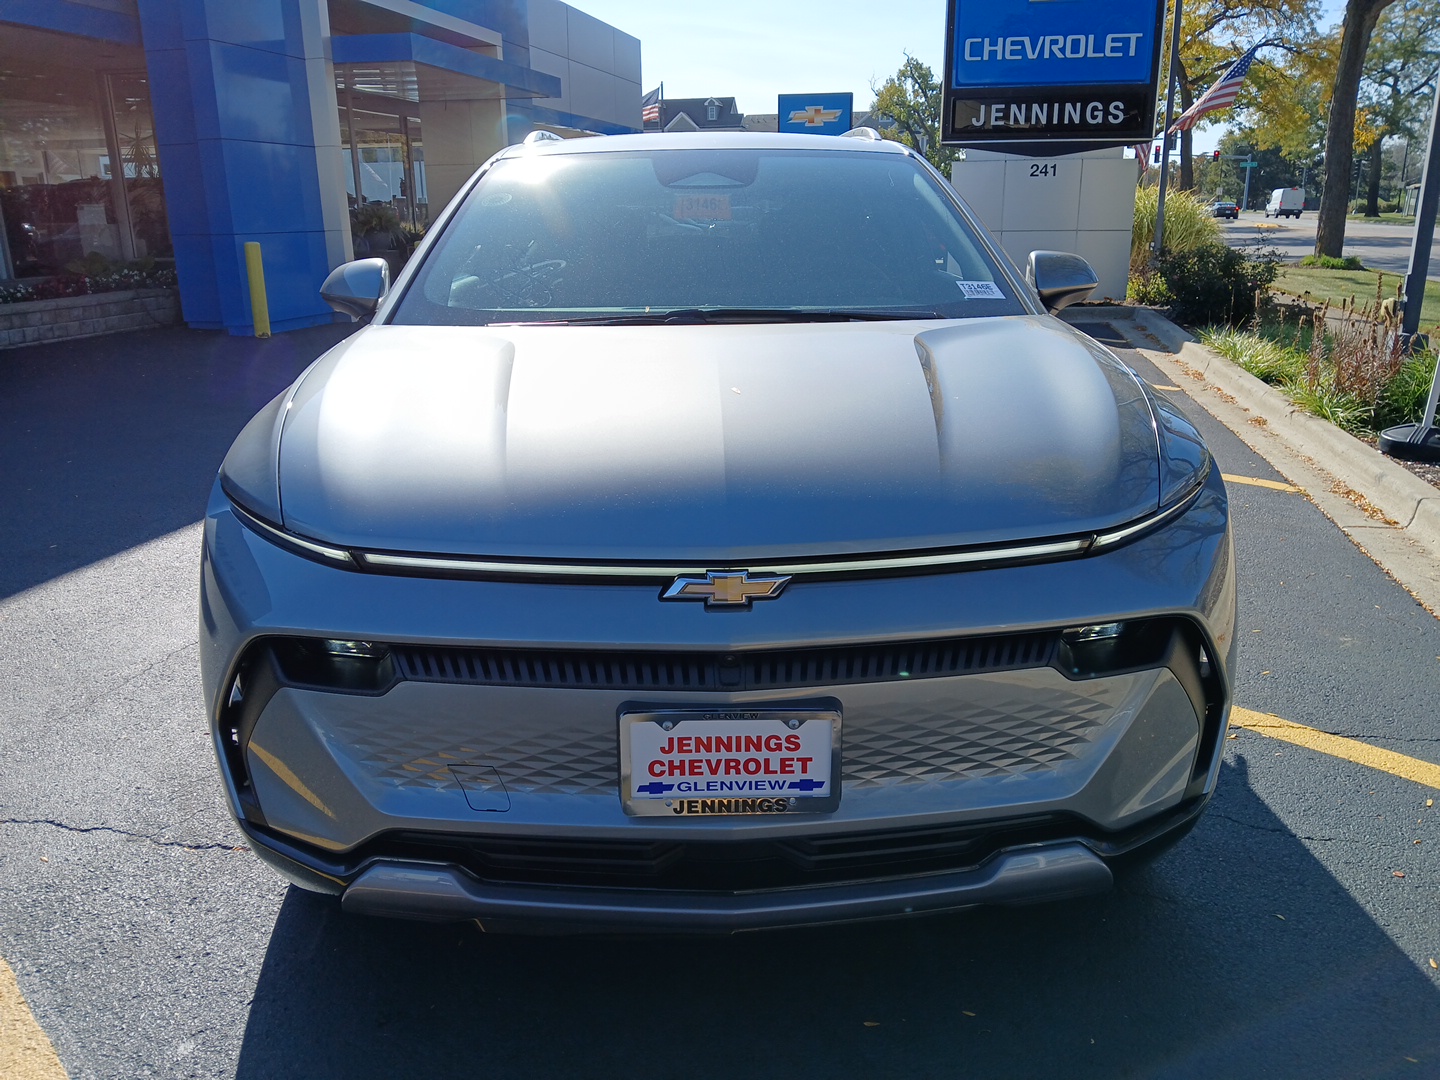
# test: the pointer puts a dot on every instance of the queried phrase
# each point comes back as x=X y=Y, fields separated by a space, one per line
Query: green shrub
x=1331 y=262
x=1405 y=396
x=1213 y=284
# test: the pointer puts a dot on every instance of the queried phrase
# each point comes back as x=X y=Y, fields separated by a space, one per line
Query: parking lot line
x=1273 y=485
x=25 y=1051
x=1408 y=768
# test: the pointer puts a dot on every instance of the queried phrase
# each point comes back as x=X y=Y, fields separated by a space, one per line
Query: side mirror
x=356 y=288
x=1060 y=278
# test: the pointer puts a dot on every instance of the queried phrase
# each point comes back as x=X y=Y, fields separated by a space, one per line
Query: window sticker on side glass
x=980 y=290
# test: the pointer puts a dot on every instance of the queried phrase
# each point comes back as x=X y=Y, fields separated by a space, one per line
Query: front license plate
x=692 y=763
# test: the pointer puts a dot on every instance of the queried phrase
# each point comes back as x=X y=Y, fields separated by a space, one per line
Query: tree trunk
x=1360 y=19
x=1372 y=189
x=1187 y=162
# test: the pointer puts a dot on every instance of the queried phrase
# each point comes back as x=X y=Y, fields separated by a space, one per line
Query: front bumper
x=1024 y=783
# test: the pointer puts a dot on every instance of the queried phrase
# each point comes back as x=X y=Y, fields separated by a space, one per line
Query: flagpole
x=1158 y=244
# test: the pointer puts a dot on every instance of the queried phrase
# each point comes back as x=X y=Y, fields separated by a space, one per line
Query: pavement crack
x=127 y=833
x=1279 y=830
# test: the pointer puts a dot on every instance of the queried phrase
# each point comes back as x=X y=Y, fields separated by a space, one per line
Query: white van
x=1286 y=202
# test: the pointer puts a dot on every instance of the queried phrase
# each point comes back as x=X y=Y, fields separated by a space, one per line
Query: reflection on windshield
x=580 y=236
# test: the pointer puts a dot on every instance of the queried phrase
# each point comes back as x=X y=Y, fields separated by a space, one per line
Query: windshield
x=748 y=234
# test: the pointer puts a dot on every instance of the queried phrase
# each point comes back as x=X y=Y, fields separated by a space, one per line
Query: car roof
x=706 y=140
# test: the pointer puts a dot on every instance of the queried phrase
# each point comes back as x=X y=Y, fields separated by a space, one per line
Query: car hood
x=717 y=443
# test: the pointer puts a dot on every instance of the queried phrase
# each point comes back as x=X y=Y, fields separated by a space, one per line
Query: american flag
x=650 y=105
x=1220 y=96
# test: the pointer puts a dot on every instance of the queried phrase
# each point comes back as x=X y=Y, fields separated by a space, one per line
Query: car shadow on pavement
x=1237 y=954
x=112 y=441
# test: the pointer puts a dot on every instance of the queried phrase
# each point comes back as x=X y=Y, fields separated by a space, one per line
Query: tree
x=1400 y=70
x=911 y=100
x=1360 y=19
x=1213 y=34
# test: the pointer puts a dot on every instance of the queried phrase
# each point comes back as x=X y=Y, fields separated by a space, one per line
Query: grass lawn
x=1338 y=285
x=1383 y=219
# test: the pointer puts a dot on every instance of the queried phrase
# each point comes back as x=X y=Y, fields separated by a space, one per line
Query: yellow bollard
x=259 y=305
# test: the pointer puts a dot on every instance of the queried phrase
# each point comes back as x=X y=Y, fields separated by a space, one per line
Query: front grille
x=748 y=670
x=721 y=866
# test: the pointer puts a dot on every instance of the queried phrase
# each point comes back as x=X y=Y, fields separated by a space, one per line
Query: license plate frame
x=809 y=739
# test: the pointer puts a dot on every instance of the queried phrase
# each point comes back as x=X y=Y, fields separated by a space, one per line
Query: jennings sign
x=1084 y=71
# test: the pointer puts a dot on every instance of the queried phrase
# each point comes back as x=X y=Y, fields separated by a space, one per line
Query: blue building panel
x=259 y=96
x=266 y=26
x=65 y=17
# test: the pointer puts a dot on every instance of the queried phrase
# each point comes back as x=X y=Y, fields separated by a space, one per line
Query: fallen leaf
x=1264 y=673
x=872 y=1023
x=967 y=1012
x=1428 y=802
x=46 y=858
x=1232 y=736
x=1397 y=873
x=1280 y=917
x=1433 y=964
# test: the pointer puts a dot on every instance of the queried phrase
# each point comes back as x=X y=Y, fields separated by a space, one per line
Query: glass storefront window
x=144 y=192
x=54 y=193
x=67 y=207
x=384 y=157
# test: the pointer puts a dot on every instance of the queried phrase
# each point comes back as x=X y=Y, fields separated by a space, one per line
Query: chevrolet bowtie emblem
x=815 y=116
x=726 y=588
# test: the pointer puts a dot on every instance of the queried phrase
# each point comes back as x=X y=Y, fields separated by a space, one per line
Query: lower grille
x=721 y=866
x=749 y=670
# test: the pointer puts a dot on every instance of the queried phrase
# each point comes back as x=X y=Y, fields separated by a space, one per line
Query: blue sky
x=754 y=50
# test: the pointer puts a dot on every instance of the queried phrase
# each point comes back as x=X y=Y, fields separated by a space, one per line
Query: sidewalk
x=1391 y=514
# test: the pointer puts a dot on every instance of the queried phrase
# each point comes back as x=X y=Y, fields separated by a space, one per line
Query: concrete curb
x=1409 y=502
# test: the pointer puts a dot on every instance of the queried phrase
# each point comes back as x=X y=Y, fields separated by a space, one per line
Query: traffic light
x=1156 y=157
x=1217 y=156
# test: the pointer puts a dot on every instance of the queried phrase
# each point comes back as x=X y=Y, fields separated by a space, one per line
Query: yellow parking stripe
x=25 y=1052
x=1159 y=386
x=1407 y=768
x=1273 y=485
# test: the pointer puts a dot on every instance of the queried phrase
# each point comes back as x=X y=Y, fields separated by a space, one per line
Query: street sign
x=1249 y=165
x=816 y=114
x=1028 y=70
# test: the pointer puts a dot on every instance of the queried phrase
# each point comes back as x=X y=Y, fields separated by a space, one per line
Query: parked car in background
x=1285 y=202
x=714 y=532
x=1224 y=210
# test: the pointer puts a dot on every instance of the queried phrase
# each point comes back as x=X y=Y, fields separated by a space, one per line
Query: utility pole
x=1420 y=441
x=1158 y=244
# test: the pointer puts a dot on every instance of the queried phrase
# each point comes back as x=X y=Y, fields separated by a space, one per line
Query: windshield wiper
x=704 y=316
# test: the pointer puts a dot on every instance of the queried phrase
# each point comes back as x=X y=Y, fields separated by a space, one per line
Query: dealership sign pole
x=1059 y=75
x=1158 y=244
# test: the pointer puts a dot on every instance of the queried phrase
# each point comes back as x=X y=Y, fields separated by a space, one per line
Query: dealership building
x=144 y=130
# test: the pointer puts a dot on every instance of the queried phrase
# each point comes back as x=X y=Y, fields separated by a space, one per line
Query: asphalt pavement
x=1294 y=933
x=1379 y=247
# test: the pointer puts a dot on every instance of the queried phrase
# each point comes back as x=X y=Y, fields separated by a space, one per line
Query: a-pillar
x=249 y=142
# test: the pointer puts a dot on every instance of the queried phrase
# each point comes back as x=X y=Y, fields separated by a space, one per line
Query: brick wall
x=36 y=321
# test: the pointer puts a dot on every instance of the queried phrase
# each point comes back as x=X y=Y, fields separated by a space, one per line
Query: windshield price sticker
x=702 y=208
x=687 y=763
x=980 y=290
